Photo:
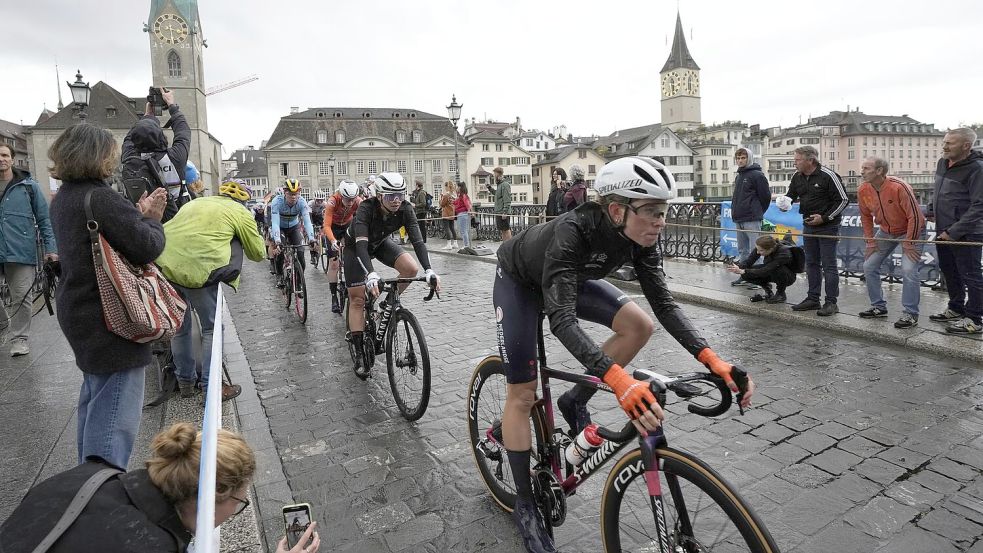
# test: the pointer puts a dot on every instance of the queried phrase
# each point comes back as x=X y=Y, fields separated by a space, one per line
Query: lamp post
x=331 y=165
x=80 y=94
x=454 y=114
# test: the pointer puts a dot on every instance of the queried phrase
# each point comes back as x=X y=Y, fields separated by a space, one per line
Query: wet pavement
x=853 y=444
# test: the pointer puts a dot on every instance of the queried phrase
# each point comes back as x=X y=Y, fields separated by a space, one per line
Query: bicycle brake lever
x=433 y=291
x=741 y=379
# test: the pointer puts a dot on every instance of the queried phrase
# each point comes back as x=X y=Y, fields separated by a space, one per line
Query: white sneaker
x=449 y=245
x=18 y=348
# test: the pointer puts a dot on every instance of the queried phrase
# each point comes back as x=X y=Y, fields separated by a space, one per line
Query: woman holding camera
x=149 y=510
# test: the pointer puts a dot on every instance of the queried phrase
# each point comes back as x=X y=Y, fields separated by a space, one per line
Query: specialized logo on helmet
x=621 y=185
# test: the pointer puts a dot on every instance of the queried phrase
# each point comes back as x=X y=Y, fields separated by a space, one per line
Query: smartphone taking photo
x=296 y=520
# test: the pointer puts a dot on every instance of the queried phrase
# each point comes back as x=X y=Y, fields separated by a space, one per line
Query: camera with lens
x=156 y=99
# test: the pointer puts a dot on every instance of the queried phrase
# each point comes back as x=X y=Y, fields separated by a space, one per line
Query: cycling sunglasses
x=393 y=197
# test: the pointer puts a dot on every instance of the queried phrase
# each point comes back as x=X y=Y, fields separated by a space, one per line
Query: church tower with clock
x=176 y=49
x=680 y=80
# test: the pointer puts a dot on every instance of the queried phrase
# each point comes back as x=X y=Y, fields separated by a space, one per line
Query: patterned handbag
x=137 y=301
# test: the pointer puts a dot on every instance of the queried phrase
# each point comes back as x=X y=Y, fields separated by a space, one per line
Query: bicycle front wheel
x=288 y=279
x=486 y=403
x=702 y=511
x=408 y=361
x=299 y=289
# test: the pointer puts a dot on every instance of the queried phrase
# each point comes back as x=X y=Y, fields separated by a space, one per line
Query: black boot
x=529 y=522
x=779 y=296
x=573 y=411
x=358 y=341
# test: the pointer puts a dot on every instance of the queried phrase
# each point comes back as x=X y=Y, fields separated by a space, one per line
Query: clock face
x=170 y=29
x=671 y=84
x=692 y=83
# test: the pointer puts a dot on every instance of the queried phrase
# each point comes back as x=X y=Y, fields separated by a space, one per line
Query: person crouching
x=776 y=268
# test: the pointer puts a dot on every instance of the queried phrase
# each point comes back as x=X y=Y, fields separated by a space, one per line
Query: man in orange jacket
x=890 y=203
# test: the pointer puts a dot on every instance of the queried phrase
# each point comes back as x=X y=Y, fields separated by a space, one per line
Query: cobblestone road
x=851 y=446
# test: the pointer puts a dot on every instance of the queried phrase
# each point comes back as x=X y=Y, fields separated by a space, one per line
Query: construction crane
x=230 y=85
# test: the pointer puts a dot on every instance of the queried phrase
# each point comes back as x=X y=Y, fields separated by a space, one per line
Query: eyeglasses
x=649 y=211
x=243 y=503
x=393 y=197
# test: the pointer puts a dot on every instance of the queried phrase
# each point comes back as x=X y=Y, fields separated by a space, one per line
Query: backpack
x=144 y=174
x=798 y=256
x=429 y=201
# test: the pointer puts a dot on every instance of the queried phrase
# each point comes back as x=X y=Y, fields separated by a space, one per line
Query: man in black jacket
x=146 y=140
x=957 y=209
x=748 y=204
x=822 y=199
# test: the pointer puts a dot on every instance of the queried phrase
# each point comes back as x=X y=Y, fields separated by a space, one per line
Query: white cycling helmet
x=636 y=177
x=348 y=189
x=390 y=183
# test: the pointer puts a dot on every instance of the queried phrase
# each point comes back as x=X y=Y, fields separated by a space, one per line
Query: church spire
x=679 y=56
x=58 y=83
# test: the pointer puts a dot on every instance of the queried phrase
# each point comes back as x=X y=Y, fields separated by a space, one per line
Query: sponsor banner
x=849 y=253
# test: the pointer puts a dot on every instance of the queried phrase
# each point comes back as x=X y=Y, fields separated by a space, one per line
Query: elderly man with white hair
x=957 y=209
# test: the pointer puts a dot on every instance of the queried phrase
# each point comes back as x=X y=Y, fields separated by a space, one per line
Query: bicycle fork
x=650 y=463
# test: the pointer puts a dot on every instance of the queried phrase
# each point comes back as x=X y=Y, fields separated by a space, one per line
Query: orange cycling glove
x=634 y=396
x=717 y=366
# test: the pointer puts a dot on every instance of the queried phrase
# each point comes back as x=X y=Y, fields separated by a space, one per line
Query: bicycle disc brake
x=549 y=498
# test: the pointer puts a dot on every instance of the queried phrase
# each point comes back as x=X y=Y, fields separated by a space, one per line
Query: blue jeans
x=910 y=283
x=202 y=301
x=745 y=240
x=821 y=260
x=110 y=408
x=960 y=265
x=464 y=227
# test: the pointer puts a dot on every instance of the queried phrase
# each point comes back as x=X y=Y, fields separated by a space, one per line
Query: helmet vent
x=645 y=175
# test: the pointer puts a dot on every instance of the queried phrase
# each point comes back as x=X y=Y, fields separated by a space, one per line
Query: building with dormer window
x=322 y=146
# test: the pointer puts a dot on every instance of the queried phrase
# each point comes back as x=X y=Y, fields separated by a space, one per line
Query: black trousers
x=782 y=277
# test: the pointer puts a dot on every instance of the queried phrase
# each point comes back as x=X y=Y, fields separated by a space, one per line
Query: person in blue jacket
x=23 y=212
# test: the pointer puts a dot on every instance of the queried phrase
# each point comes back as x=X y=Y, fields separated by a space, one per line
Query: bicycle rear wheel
x=300 y=292
x=703 y=512
x=486 y=402
x=408 y=362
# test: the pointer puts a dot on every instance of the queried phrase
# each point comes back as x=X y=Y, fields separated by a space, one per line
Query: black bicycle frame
x=392 y=304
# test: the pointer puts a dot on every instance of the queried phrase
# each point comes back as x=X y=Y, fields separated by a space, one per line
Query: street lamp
x=80 y=94
x=454 y=114
x=331 y=165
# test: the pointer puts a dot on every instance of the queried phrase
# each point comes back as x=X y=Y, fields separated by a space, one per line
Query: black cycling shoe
x=574 y=412
x=335 y=306
x=530 y=525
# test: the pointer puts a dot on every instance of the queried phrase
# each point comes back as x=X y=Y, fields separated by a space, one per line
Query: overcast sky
x=593 y=66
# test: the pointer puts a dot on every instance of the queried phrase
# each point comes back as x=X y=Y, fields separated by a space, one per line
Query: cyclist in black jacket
x=559 y=267
x=369 y=236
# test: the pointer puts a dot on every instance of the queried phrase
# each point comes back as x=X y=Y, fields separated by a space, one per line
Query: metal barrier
x=206 y=535
x=692 y=243
x=692 y=232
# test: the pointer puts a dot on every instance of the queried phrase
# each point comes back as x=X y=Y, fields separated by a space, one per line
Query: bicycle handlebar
x=401 y=280
x=659 y=384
